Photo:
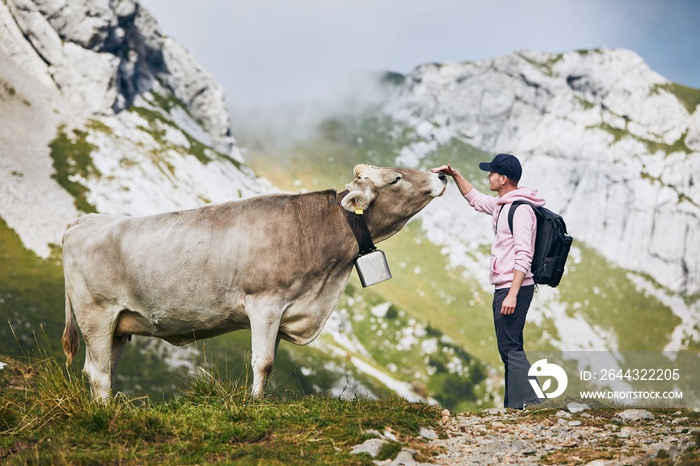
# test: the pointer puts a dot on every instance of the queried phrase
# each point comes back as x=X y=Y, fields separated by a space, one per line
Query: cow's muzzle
x=438 y=184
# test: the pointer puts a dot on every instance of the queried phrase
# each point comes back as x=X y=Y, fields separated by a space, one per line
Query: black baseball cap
x=504 y=164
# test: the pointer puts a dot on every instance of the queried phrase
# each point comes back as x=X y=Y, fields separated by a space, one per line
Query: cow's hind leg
x=103 y=352
x=264 y=328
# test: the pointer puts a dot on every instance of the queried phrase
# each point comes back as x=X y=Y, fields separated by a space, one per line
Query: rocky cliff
x=614 y=146
x=101 y=112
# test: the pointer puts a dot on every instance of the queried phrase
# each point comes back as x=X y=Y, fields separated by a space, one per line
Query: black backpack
x=552 y=244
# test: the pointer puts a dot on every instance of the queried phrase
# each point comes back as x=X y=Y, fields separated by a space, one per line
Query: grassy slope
x=49 y=418
x=31 y=293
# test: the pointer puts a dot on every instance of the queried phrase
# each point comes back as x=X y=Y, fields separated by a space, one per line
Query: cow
x=276 y=264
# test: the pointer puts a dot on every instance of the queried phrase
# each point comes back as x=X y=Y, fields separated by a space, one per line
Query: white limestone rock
x=603 y=137
x=202 y=95
x=83 y=70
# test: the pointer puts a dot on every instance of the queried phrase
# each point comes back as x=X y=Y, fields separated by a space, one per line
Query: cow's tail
x=70 y=334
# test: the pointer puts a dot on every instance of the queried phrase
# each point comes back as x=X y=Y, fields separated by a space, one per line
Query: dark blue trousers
x=509 y=335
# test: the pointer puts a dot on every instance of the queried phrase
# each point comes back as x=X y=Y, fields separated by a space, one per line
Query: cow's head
x=389 y=197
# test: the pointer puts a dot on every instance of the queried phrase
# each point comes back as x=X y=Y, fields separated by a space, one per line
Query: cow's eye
x=396 y=180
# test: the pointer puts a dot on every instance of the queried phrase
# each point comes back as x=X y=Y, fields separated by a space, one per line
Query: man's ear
x=356 y=200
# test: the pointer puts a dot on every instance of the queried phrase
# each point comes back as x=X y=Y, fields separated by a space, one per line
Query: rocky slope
x=616 y=145
x=569 y=436
x=102 y=112
x=613 y=146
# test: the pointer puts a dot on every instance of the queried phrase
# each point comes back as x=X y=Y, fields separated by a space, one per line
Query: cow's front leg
x=264 y=329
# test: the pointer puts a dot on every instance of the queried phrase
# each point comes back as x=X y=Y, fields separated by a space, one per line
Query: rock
x=574 y=407
x=527 y=440
x=198 y=90
x=563 y=414
x=445 y=415
x=428 y=434
x=558 y=112
x=371 y=447
x=625 y=432
x=101 y=74
x=404 y=458
x=494 y=411
x=632 y=415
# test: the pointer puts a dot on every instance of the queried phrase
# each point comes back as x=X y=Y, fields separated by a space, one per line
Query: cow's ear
x=356 y=200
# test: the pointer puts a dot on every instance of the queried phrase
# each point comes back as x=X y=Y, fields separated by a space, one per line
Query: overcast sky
x=280 y=52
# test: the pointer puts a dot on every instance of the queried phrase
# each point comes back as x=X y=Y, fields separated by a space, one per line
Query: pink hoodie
x=510 y=252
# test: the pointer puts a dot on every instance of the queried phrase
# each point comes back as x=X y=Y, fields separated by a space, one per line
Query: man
x=511 y=258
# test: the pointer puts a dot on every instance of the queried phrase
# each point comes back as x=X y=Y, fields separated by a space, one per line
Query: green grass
x=610 y=301
x=31 y=293
x=688 y=96
x=47 y=417
x=71 y=158
x=441 y=369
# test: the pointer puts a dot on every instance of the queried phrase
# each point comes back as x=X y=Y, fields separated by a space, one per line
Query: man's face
x=496 y=181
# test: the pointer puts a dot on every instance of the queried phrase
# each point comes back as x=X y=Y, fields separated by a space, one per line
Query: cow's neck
x=377 y=232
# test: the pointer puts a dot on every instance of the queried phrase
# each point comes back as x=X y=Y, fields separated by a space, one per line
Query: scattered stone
x=428 y=434
x=371 y=447
x=564 y=414
x=574 y=407
x=680 y=420
x=404 y=458
x=495 y=411
x=390 y=436
x=508 y=438
x=445 y=415
x=625 y=432
x=632 y=415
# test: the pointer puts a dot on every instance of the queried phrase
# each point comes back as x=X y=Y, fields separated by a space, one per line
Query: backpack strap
x=511 y=212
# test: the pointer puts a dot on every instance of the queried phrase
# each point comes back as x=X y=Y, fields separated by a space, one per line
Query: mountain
x=96 y=100
x=613 y=146
x=623 y=142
